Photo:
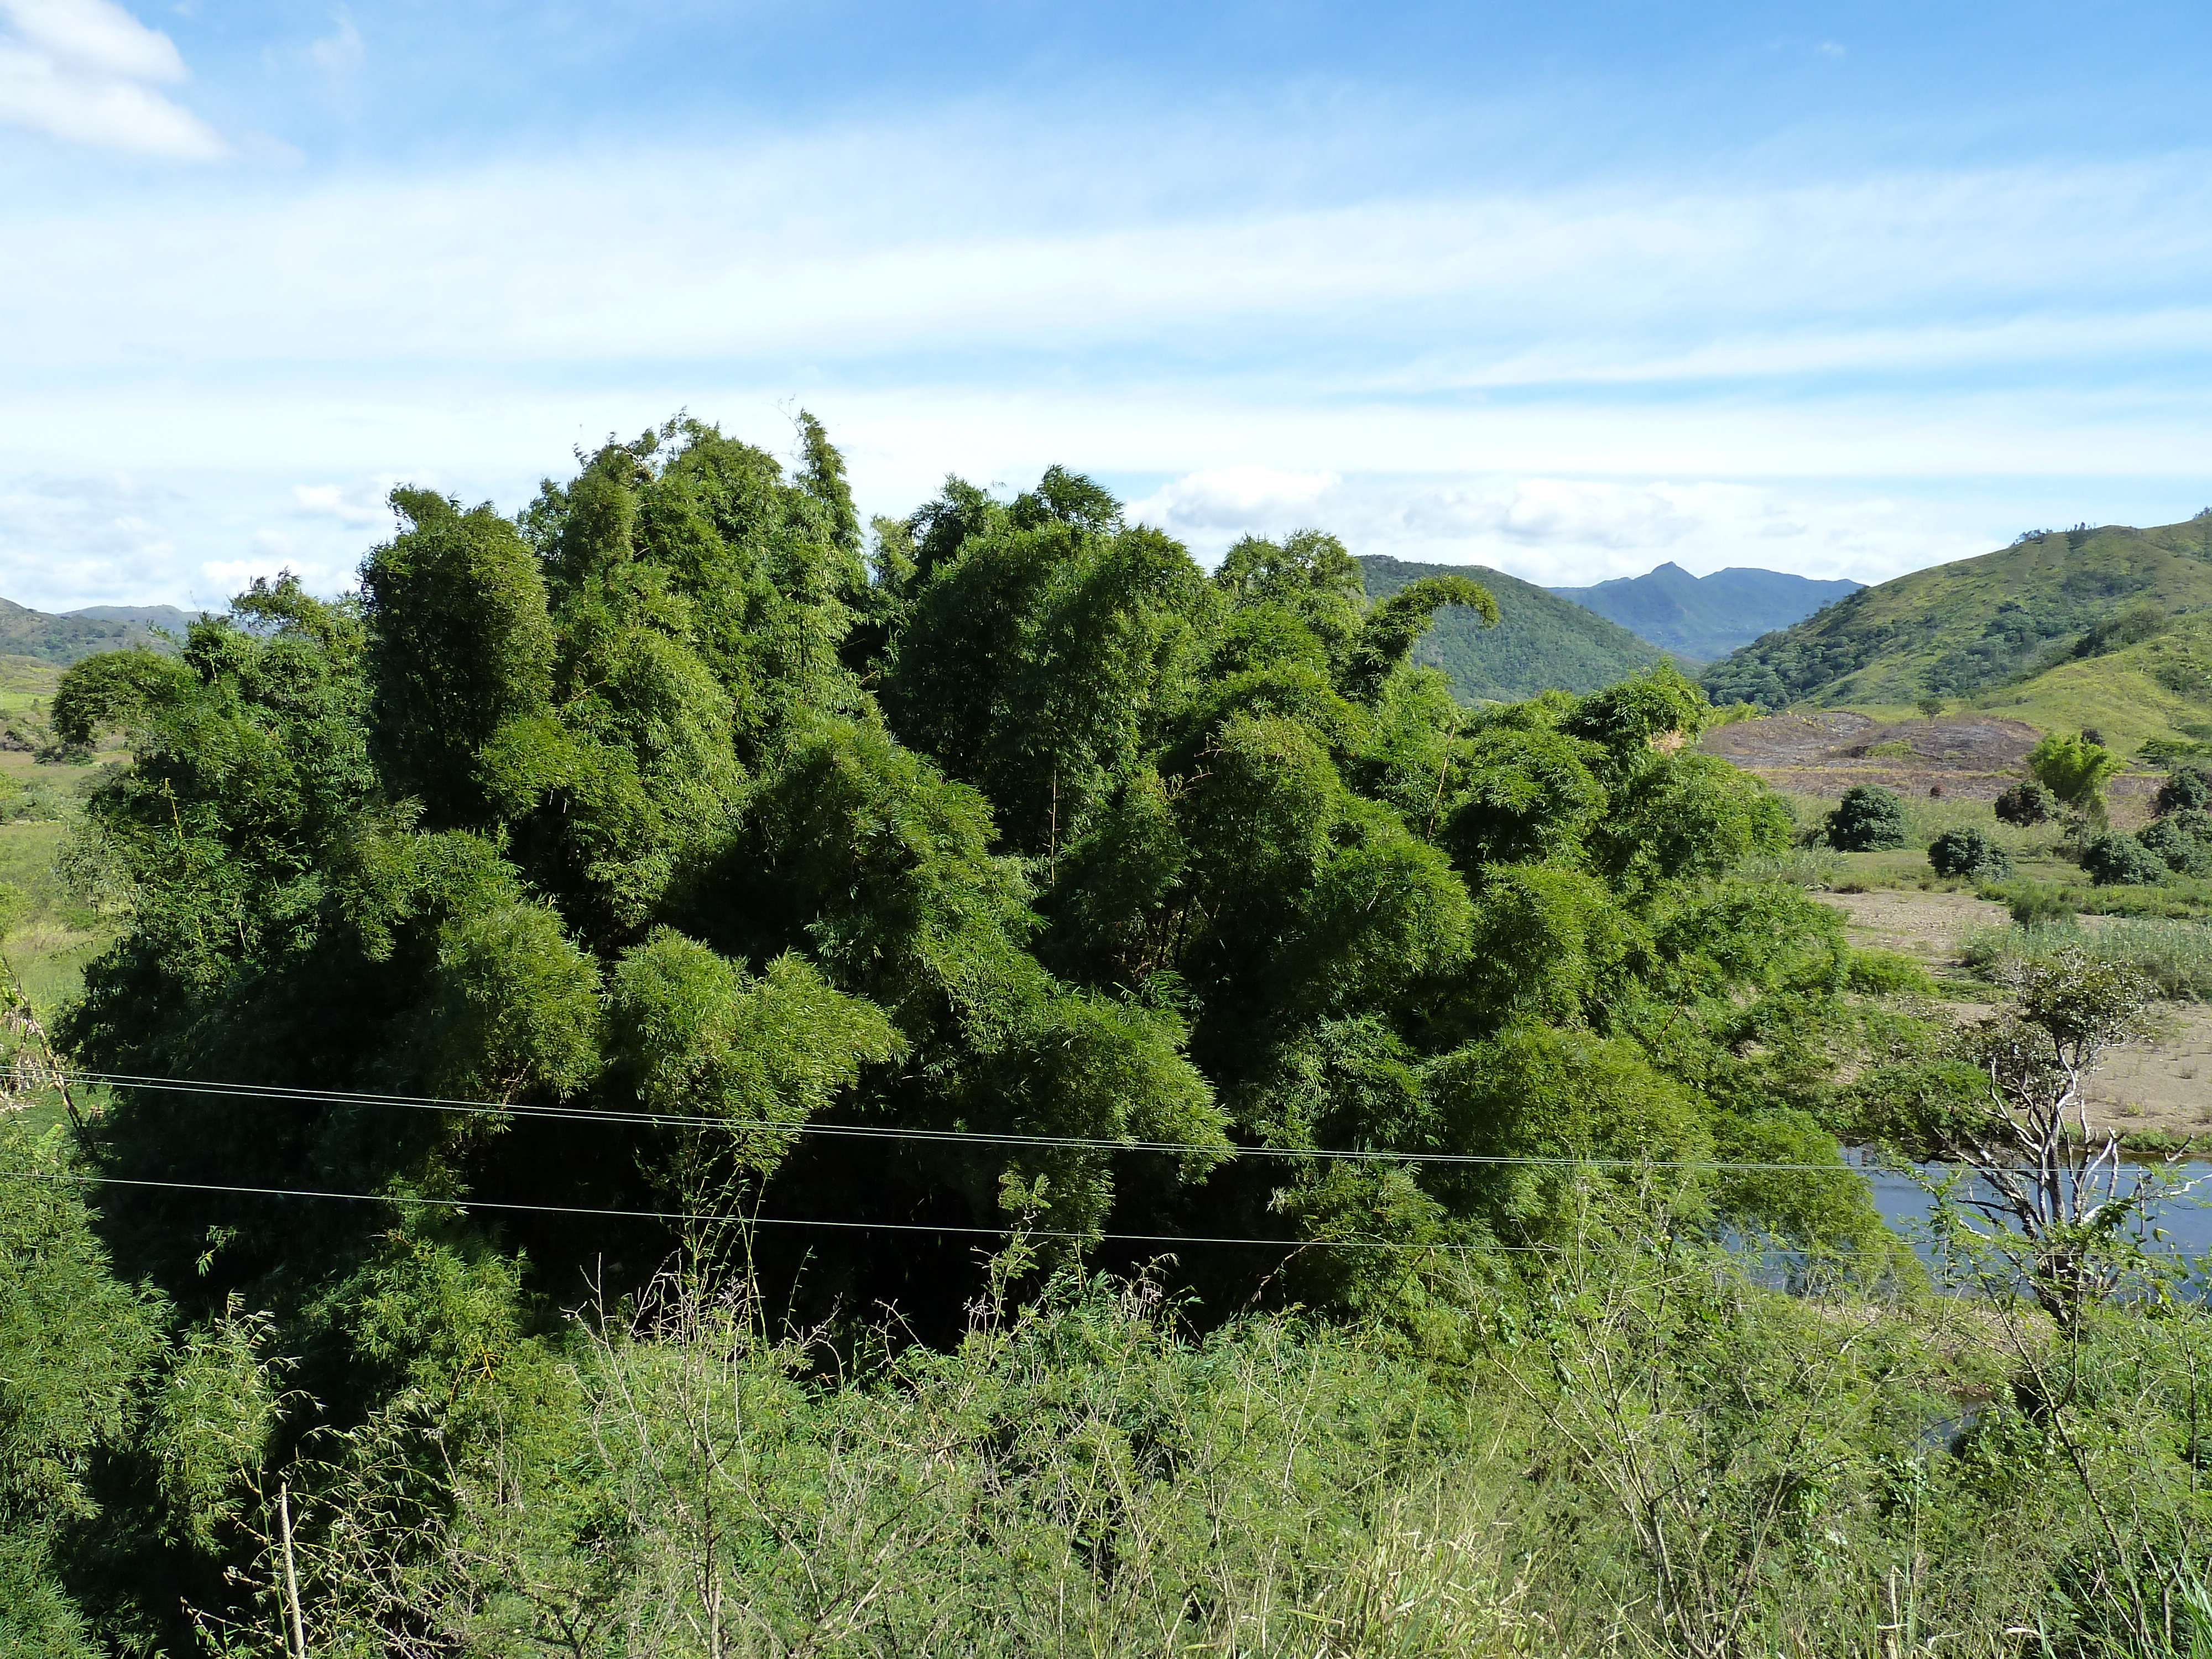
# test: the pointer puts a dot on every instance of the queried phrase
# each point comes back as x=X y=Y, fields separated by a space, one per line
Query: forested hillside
x=1540 y=642
x=64 y=639
x=630 y=1040
x=1969 y=629
x=1702 y=617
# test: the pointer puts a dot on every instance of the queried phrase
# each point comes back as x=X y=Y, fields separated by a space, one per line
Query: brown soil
x=1825 y=752
x=1924 y=926
x=2165 y=1083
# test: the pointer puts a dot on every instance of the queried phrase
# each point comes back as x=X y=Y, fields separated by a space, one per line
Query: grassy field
x=46 y=935
x=26 y=682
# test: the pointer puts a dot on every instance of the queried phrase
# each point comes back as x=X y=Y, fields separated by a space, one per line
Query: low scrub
x=1800 y=867
x=1638 y=1449
x=2175 y=956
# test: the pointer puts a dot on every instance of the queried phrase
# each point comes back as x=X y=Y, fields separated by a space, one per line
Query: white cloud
x=1519 y=378
x=341 y=52
x=83 y=71
x=1571 y=532
x=689 y=258
x=95 y=35
x=85 y=539
x=271 y=553
x=1241 y=499
x=360 y=504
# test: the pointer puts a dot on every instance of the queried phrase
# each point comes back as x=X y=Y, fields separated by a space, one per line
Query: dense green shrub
x=1969 y=851
x=698 y=859
x=2115 y=860
x=1869 y=818
x=2036 y=904
x=2186 y=789
x=2026 y=803
x=2183 y=839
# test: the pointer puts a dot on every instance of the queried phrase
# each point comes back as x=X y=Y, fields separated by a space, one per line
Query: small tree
x=2027 y=803
x=2075 y=770
x=2044 y=1180
x=1930 y=706
x=1970 y=852
x=2186 y=789
x=1868 y=820
x=2113 y=860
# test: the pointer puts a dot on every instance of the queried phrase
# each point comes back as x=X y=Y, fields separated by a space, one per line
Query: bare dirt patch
x=2165 y=1083
x=1827 y=751
x=1927 y=926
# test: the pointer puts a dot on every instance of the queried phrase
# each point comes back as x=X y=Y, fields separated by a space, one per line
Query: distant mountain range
x=64 y=639
x=1541 y=642
x=1702 y=617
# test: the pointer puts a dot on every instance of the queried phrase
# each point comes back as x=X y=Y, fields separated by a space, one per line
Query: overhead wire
x=698 y=1218
x=900 y=1131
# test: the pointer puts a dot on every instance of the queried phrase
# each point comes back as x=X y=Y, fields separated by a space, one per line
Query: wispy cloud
x=355 y=505
x=1563 y=531
x=85 y=71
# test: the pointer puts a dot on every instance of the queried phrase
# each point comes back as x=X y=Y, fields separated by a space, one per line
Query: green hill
x=63 y=640
x=1541 y=640
x=2076 y=624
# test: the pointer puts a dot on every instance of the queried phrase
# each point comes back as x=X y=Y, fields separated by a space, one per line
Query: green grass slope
x=2159 y=687
x=2058 y=620
x=1541 y=640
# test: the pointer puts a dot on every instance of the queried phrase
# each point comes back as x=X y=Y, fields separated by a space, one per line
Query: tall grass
x=1800 y=867
x=1634 y=1448
x=2175 y=956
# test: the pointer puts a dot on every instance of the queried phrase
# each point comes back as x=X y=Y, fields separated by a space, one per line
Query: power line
x=681 y=1217
x=891 y=1131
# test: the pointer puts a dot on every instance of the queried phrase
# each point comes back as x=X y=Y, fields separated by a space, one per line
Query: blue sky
x=1568 y=289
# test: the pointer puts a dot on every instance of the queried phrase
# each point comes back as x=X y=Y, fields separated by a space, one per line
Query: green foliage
x=1868 y=820
x=693 y=1033
x=1970 y=852
x=211 y=1423
x=2175 y=957
x=462 y=644
x=2112 y=858
x=515 y=1009
x=2027 y=805
x=2183 y=839
x=1542 y=1092
x=75 y=1344
x=77 y=1348
x=697 y=852
x=1642 y=1449
x=2186 y=789
x=2122 y=628
x=2074 y=769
